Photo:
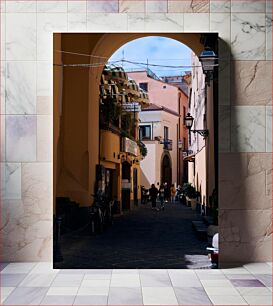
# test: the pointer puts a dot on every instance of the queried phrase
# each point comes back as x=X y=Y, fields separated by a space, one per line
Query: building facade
x=163 y=131
x=201 y=159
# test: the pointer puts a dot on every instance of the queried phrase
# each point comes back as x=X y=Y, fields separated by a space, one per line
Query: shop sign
x=129 y=146
x=131 y=107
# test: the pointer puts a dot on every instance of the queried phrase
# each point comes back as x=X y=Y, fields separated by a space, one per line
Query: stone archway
x=78 y=114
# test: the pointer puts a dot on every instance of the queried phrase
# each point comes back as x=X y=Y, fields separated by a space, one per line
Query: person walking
x=161 y=196
x=153 y=194
x=173 y=193
x=166 y=192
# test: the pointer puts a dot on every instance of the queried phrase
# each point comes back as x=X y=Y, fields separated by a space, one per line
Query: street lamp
x=189 y=121
x=208 y=60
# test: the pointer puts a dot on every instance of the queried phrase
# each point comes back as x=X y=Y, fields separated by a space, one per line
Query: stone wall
x=245 y=111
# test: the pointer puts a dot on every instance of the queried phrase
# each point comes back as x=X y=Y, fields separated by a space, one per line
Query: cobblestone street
x=142 y=238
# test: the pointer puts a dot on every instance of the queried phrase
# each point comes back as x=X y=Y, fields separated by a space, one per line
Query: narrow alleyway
x=142 y=238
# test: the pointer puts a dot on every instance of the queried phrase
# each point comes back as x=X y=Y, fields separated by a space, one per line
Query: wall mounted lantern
x=208 y=60
x=189 y=121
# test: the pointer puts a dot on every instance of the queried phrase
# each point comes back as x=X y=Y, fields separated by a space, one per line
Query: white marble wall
x=245 y=110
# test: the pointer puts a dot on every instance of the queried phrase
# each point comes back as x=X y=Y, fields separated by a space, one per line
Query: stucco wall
x=245 y=111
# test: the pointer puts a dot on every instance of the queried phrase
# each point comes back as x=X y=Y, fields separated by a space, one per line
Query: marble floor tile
x=44 y=267
x=184 y=281
x=5 y=292
x=84 y=291
x=11 y=280
x=235 y=271
x=90 y=300
x=124 y=271
x=3 y=265
x=62 y=291
x=192 y=296
x=212 y=277
x=159 y=296
x=125 y=280
x=38 y=280
x=16 y=268
x=227 y=300
x=155 y=280
x=240 y=276
x=67 y=280
x=76 y=271
x=259 y=268
x=246 y=283
x=221 y=291
x=254 y=291
x=216 y=283
x=58 y=300
x=266 y=279
x=96 y=283
x=26 y=296
x=97 y=276
x=125 y=296
x=258 y=299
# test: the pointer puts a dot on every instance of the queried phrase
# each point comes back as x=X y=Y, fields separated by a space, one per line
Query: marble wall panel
x=3 y=6
x=245 y=126
x=268 y=22
x=3 y=138
x=102 y=6
x=251 y=83
x=44 y=138
x=156 y=6
x=136 y=22
x=3 y=37
x=248 y=39
x=44 y=105
x=44 y=78
x=20 y=90
x=249 y=6
x=20 y=138
x=246 y=232
x=37 y=189
x=220 y=6
x=131 y=6
x=106 y=22
x=58 y=6
x=47 y=23
x=188 y=6
x=268 y=128
x=269 y=6
x=196 y=22
x=77 y=22
x=12 y=185
x=3 y=88
x=247 y=187
x=78 y=6
x=21 y=6
x=248 y=129
x=160 y=22
x=21 y=36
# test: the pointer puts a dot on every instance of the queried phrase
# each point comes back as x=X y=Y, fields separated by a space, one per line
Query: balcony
x=167 y=144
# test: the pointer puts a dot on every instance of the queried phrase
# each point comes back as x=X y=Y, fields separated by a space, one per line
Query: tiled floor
x=39 y=284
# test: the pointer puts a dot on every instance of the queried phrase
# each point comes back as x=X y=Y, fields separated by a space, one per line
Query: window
x=145 y=132
x=166 y=132
x=144 y=86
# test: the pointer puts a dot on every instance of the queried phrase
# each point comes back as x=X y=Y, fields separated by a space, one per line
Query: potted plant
x=191 y=194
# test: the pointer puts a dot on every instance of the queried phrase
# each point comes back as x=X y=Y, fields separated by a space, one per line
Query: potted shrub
x=191 y=194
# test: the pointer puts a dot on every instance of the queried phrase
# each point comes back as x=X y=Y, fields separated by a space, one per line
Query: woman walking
x=173 y=193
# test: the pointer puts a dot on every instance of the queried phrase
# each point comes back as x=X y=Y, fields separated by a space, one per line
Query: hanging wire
x=81 y=54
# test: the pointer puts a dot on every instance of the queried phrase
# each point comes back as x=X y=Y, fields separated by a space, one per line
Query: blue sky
x=158 y=50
